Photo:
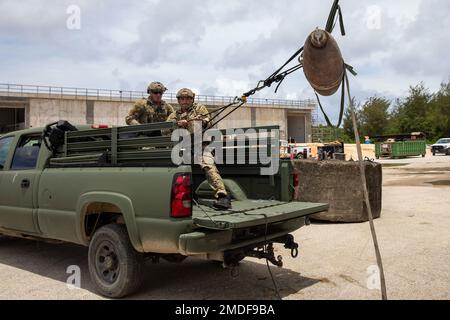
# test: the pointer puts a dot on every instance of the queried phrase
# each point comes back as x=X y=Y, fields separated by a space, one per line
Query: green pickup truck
x=117 y=191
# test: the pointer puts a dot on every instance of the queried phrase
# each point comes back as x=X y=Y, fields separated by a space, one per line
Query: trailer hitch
x=289 y=243
x=268 y=254
x=231 y=258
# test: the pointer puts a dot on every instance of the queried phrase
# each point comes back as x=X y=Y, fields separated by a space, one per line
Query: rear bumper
x=207 y=241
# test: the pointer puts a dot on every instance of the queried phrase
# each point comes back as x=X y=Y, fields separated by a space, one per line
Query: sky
x=220 y=47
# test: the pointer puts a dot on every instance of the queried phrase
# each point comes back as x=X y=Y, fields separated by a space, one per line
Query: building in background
x=25 y=106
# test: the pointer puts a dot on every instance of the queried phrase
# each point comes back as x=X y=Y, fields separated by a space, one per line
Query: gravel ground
x=336 y=260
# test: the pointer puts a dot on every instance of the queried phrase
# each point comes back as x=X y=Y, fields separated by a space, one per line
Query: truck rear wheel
x=115 y=267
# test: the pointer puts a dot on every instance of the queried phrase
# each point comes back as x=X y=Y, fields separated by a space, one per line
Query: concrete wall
x=308 y=117
x=241 y=118
x=42 y=110
x=268 y=117
x=112 y=113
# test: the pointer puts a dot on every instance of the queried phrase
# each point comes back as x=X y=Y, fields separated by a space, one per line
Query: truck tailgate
x=250 y=213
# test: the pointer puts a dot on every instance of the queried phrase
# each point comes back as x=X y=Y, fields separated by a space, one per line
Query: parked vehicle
x=442 y=146
x=117 y=191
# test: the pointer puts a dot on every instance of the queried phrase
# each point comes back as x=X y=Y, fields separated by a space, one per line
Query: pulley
x=322 y=61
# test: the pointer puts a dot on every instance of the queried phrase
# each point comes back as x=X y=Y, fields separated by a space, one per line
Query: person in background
x=367 y=140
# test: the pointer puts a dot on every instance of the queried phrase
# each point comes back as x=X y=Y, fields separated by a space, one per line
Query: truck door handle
x=25 y=183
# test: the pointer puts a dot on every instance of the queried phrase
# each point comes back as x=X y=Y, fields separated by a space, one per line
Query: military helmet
x=156 y=87
x=185 y=92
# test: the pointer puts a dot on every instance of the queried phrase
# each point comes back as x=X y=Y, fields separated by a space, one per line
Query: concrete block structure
x=25 y=106
x=338 y=183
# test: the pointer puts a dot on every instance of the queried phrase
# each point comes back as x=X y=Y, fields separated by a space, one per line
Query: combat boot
x=223 y=202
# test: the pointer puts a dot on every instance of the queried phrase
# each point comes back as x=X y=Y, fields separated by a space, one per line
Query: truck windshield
x=444 y=141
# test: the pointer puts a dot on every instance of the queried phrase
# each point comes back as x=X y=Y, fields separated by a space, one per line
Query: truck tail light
x=296 y=184
x=181 y=203
x=100 y=126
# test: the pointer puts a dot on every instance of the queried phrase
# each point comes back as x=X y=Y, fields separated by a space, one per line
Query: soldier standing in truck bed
x=185 y=118
x=152 y=109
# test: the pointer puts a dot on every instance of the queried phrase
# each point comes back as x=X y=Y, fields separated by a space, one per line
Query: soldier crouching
x=190 y=113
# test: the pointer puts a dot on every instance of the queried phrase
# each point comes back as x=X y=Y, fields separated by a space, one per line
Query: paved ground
x=335 y=259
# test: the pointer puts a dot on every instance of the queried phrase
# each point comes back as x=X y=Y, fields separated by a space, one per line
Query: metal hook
x=294 y=252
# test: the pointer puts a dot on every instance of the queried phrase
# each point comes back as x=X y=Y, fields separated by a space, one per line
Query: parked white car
x=442 y=146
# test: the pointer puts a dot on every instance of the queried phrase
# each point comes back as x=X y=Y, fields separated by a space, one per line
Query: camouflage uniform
x=206 y=160
x=146 y=111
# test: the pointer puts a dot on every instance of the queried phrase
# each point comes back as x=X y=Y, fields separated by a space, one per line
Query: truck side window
x=5 y=143
x=26 y=154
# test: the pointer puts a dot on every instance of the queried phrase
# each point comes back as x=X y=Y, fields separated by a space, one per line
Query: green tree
x=348 y=135
x=374 y=116
x=412 y=113
x=438 y=116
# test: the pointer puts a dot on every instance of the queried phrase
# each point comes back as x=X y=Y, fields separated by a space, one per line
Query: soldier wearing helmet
x=189 y=113
x=152 y=109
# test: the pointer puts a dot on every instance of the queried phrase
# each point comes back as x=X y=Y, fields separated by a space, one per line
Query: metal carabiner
x=294 y=252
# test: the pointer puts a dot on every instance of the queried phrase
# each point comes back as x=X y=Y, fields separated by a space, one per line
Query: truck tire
x=115 y=267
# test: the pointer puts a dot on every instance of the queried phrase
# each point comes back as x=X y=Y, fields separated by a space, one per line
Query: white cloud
x=220 y=48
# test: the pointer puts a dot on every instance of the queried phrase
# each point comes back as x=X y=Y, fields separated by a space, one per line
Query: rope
x=266 y=219
x=198 y=205
x=277 y=77
x=218 y=121
x=222 y=109
x=335 y=14
x=366 y=194
x=342 y=107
